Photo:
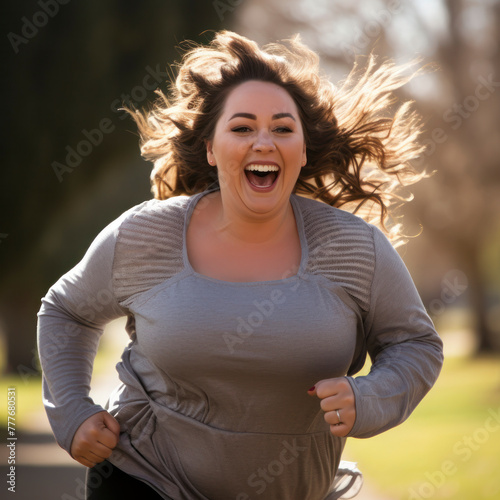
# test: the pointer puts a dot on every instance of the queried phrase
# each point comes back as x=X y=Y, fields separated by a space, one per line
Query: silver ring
x=338 y=416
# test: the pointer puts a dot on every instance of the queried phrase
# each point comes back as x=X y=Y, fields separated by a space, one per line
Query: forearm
x=398 y=380
x=67 y=350
x=406 y=351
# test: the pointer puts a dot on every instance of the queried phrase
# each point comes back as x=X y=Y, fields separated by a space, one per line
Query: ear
x=304 y=156
x=210 y=154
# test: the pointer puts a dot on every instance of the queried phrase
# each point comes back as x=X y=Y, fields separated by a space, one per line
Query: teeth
x=262 y=168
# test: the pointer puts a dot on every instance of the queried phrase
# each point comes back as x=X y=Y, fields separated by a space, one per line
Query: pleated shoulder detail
x=341 y=248
x=149 y=247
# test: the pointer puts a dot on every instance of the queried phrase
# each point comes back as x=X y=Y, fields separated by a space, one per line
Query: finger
x=313 y=391
x=337 y=402
x=340 y=430
x=332 y=387
x=99 y=441
x=94 y=454
x=107 y=438
x=84 y=461
x=90 y=458
x=98 y=454
x=327 y=387
x=111 y=423
x=98 y=450
x=332 y=403
x=335 y=417
x=332 y=417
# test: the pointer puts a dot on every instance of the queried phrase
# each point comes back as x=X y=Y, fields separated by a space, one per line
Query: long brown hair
x=358 y=151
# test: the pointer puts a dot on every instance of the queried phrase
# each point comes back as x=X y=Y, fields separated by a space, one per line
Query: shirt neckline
x=299 y=221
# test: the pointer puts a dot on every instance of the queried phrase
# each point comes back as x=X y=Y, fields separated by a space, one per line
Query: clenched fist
x=95 y=439
x=338 y=403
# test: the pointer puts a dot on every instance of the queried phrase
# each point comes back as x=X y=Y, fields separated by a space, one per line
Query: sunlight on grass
x=450 y=446
x=28 y=398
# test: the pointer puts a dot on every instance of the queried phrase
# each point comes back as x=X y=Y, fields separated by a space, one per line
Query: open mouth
x=262 y=176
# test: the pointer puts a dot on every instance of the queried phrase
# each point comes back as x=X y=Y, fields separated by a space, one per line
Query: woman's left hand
x=337 y=399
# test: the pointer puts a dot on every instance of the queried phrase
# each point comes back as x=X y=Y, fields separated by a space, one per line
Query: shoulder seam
x=148 y=246
x=372 y=233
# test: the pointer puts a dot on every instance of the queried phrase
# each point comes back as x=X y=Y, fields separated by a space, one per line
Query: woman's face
x=258 y=147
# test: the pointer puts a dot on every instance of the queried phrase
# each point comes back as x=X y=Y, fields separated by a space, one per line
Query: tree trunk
x=478 y=302
x=18 y=313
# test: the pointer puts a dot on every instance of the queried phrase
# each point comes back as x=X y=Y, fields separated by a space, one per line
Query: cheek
x=230 y=150
x=295 y=151
x=229 y=170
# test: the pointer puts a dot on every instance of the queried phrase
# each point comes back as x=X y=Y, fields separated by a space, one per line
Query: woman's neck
x=239 y=226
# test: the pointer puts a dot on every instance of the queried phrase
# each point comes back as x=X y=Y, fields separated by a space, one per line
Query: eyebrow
x=277 y=116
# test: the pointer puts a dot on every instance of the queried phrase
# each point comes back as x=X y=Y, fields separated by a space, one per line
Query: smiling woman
x=265 y=148
x=250 y=308
x=358 y=152
x=258 y=155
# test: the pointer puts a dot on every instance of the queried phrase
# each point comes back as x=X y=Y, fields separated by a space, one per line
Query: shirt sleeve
x=405 y=350
x=70 y=324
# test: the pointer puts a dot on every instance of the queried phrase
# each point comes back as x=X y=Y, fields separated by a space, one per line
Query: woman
x=249 y=307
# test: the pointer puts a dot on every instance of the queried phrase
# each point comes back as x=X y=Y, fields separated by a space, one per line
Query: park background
x=68 y=66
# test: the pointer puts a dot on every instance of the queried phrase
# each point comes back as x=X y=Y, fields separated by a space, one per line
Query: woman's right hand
x=95 y=439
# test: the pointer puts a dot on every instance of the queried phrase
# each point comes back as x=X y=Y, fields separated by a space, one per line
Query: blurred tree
x=461 y=210
x=459 y=205
x=71 y=164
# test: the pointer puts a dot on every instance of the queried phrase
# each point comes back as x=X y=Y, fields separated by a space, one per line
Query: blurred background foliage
x=63 y=85
x=71 y=164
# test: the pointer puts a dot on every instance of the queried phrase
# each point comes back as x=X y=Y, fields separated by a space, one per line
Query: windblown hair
x=358 y=152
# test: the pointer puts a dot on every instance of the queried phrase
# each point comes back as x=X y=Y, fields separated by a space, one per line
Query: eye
x=241 y=129
x=283 y=130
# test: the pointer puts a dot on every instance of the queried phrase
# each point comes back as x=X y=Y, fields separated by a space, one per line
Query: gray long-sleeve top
x=213 y=402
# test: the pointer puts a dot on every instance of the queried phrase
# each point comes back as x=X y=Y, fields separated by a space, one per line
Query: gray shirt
x=213 y=402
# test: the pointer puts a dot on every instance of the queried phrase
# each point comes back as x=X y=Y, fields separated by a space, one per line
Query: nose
x=263 y=142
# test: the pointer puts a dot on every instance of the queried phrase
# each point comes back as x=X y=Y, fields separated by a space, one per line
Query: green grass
x=28 y=399
x=449 y=447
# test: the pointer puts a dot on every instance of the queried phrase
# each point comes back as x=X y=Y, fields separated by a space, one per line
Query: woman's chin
x=263 y=200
